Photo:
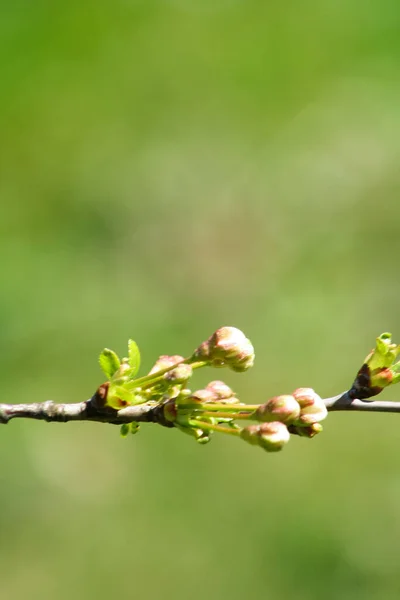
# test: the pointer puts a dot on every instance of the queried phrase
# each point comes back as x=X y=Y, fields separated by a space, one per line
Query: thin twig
x=81 y=411
x=150 y=412
x=344 y=402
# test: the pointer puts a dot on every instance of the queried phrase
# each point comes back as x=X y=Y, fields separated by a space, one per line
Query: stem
x=224 y=415
x=344 y=402
x=152 y=412
x=221 y=407
x=149 y=380
x=211 y=427
x=81 y=411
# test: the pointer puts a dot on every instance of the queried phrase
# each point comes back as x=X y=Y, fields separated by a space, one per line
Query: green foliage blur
x=169 y=167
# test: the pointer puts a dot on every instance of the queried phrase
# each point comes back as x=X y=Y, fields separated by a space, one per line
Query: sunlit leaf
x=134 y=358
x=109 y=362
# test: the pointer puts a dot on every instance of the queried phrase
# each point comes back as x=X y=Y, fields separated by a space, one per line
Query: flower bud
x=270 y=436
x=200 y=397
x=250 y=434
x=282 y=408
x=308 y=431
x=164 y=362
x=305 y=396
x=227 y=346
x=243 y=365
x=203 y=351
x=273 y=436
x=312 y=408
x=180 y=374
x=124 y=368
x=221 y=392
x=230 y=345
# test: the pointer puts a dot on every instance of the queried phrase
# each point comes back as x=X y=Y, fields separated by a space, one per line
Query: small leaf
x=117 y=391
x=384 y=354
x=134 y=358
x=134 y=427
x=125 y=429
x=109 y=362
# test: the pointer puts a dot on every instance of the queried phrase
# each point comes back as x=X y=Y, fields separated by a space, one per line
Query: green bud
x=202 y=437
x=282 y=408
x=123 y=371
x=380 y=368
x=134 y=427
x=127 y=428
x=384 y=353
x=183 y=396
x=124 y=431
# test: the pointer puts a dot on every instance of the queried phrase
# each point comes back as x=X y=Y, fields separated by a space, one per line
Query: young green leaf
x=109 y=362
x=125 y=429
x=134 y=358
x=134 y=427
x=118 y=391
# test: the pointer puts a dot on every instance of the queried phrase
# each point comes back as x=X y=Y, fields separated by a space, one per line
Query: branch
x=82 y=411
x=150 y=413
x=344 y=402
x=163 y=396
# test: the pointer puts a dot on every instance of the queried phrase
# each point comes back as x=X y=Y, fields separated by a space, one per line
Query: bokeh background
x=169 y=167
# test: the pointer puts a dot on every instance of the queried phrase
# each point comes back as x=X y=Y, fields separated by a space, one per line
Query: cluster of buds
x=300 y=413
x=214 y=408
x=214 y=392
x=302 y=408
x=229 y=347
x=173 y=374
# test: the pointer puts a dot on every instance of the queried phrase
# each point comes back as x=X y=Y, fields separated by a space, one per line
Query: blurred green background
x=169 y=167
